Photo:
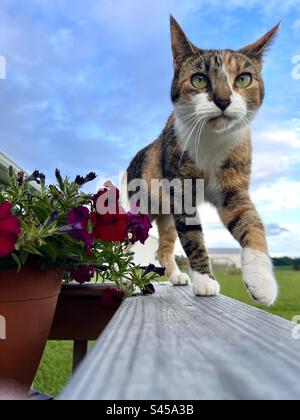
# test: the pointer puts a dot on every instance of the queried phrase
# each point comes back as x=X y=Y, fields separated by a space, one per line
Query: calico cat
x=216 y=94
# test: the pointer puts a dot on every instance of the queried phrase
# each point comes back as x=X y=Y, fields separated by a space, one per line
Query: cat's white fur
x=203 y=285
x=209 y=148
x=180 y=279
x=212 y=147
x=259 y=277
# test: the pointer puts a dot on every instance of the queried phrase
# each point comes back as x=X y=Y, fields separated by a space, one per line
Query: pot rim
x=29 y=284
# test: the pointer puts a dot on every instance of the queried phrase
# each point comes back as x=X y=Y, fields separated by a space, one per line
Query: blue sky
x=88 y=85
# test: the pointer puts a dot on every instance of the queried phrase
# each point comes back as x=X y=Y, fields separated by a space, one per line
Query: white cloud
x=270 y=166
x=276 y=152
x=283 y=195
x=288 y=243
x=288 y=138
x=286 y=133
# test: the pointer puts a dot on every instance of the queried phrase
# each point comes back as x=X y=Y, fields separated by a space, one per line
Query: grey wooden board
x=174 y=346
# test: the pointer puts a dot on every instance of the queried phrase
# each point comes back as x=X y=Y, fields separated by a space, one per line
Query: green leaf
x=33 y=250
x=51 y=250
x=40 y=213
x=17 y=261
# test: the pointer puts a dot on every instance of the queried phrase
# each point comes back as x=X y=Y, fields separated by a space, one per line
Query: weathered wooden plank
x=174 y=346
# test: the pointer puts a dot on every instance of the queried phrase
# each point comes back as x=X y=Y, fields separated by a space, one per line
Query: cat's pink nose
x=222 y=103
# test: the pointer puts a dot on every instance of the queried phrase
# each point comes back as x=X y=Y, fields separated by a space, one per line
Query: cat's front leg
x=242 y=220
x=192 y=240
x=259 y=276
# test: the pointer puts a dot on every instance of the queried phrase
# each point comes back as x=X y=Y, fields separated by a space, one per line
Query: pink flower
x=10 y=230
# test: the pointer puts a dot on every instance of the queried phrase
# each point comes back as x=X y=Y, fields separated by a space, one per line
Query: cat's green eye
x=243 y=81
x=200 y=81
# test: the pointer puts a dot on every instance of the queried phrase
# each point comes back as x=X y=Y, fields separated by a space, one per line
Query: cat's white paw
x=203 y=285
x=180 y=279
x=259 y=276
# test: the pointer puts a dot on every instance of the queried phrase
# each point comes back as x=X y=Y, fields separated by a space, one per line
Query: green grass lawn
x=57 y=361
x=288 y=303
x=56 y=367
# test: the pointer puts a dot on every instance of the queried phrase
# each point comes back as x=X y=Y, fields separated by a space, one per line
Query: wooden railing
x=174 y=346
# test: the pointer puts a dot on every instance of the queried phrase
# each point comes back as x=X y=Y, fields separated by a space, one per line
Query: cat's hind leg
x=167 y=241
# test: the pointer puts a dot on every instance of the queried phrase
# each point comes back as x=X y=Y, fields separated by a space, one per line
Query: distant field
x=56 y=366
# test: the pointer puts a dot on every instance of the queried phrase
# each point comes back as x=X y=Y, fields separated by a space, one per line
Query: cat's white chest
x=208 y=150
x=209 y=153
x=210 y=159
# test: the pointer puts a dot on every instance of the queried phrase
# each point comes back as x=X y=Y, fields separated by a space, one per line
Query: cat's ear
x=258 y=48
x=181 y=46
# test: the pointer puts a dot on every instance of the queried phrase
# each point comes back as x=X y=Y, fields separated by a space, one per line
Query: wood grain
x=174 y=346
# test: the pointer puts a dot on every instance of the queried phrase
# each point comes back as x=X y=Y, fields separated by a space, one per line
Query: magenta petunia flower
x=78 y=220
x=139 y=226
x=112 y=298
x=10 y=229
x=82 y=274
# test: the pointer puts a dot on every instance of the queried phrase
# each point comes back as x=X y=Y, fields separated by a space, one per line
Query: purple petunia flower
x=149 y=289
x=82 y=274
x=112 y=298
x=139 y=226
x=80 y=180
x=78 y=220
x=160 y=271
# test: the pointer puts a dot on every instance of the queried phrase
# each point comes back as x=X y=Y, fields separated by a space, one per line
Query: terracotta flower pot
x=27 y=305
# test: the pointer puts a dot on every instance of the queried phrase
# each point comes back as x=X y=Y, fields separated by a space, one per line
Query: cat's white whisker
x=185 y=133
x=190 y=119
x=189 y=138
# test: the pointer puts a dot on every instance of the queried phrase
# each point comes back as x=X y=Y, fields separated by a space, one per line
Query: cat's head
x=222 y=88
